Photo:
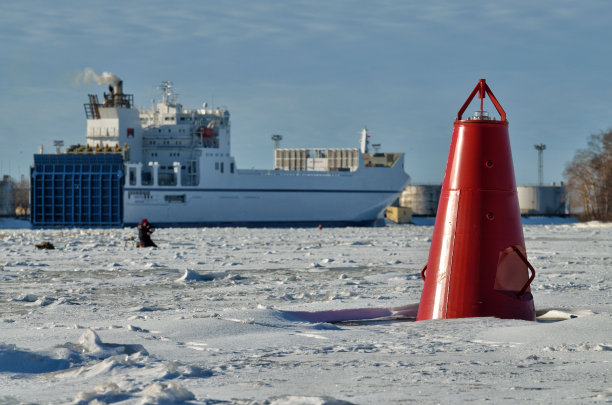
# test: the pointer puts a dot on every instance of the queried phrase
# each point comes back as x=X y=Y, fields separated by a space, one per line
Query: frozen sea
x=215 y=316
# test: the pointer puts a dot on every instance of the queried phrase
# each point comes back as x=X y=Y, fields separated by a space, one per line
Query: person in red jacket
x=145 y=229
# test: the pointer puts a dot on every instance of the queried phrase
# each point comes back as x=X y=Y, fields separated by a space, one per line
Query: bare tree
x=21 y=196
x=589 y=178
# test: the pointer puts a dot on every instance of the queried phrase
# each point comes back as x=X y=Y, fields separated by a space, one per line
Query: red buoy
x=477 y=263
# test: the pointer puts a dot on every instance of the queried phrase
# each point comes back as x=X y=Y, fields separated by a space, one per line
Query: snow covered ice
x=216 y=315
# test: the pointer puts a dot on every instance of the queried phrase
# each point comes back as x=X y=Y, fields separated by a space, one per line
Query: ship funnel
x=117 y=92
x=477 y=263
x=116 y=98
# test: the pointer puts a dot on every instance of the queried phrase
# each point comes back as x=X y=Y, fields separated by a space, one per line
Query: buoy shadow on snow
x=406 y=313
x=361 y=315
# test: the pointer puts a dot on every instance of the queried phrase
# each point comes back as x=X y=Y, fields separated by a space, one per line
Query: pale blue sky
x=317 y=72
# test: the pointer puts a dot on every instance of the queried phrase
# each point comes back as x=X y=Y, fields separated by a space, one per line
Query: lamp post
x=277 y=138
x=540 y=148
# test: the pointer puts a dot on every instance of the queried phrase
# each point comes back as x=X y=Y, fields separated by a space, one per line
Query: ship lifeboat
x=204 y=132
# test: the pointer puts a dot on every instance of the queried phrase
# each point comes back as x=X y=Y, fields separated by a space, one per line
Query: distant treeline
x=589 y=179
x=14 y=197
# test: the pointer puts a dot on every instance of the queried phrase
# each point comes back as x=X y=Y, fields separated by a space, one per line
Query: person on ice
x=145 y=229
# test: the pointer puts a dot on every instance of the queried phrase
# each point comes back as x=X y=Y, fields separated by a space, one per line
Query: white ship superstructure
x=179 y=170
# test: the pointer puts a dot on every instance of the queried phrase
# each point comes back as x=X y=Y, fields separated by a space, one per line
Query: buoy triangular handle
x=482 y=89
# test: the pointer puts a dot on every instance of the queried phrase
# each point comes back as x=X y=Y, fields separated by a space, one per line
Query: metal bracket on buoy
x=482 y=89
x=524 y=259
x=423 y=271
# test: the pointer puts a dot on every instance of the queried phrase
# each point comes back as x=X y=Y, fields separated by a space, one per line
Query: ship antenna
x=168 y=96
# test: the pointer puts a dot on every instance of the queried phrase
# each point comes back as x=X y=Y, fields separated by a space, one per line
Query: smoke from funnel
x=89 y=75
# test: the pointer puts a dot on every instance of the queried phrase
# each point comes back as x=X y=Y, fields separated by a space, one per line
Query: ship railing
x=291 y=173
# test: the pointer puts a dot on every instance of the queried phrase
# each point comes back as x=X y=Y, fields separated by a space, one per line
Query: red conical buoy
x=477 y=263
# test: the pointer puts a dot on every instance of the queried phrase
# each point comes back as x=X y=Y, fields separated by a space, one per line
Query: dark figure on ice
x=145 y=229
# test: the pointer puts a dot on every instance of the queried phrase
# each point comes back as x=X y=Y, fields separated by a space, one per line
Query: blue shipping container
x=77 y=190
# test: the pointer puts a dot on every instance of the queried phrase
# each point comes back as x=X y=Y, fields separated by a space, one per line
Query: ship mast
x=168 y=95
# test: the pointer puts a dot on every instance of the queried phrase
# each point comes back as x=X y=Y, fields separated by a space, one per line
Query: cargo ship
x=176 y=169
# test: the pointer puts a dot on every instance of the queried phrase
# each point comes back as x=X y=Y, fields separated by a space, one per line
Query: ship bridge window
x=146 y=178
x=132 y=176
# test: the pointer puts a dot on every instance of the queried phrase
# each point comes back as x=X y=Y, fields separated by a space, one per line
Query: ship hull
x=270 y=198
